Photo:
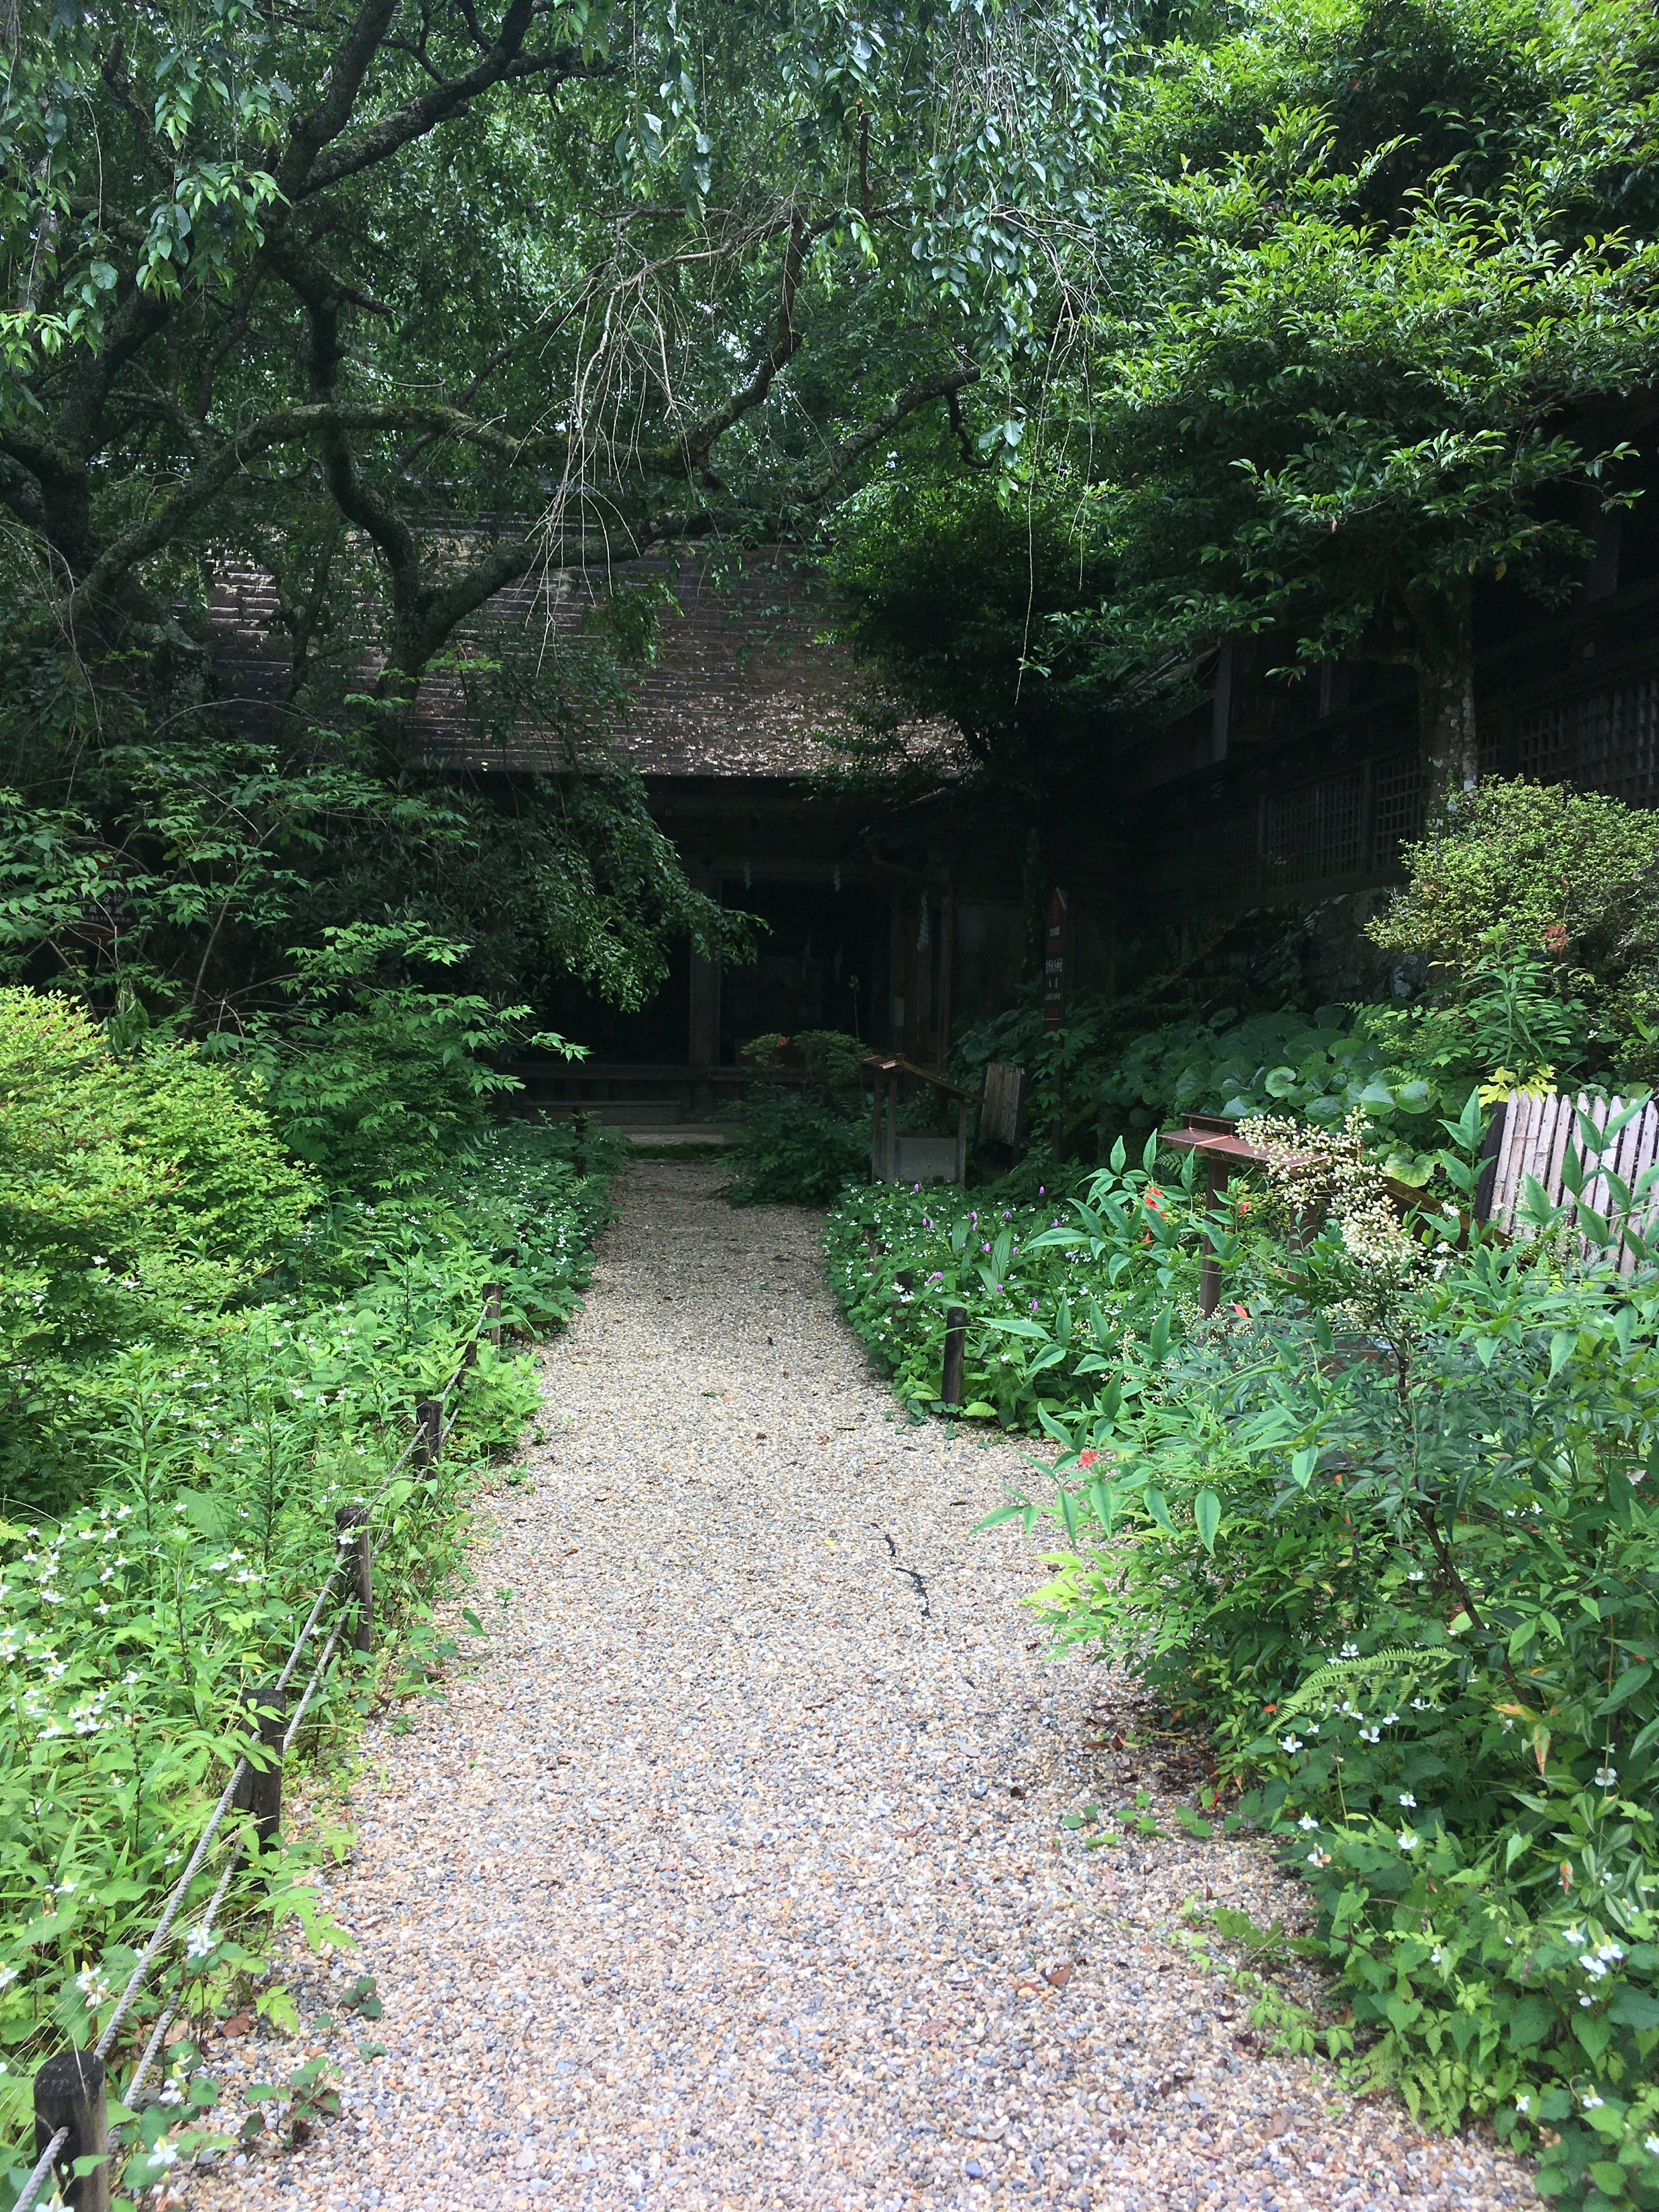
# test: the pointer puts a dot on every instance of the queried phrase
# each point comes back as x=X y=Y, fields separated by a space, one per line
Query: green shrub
x=1570 y=876
x=141 y=1199
x=1393 y=1537
x=132 y=1623
x=1056 y=1293
x=375 y=1077
x=1541 y=873
x=803 y=1141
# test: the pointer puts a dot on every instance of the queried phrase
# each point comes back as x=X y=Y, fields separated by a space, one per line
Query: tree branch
x=802 y=237
x=115 y=76
x=941 y=384
x=501 y=64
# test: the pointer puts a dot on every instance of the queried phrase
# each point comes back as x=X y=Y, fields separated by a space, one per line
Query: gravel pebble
x=725 y=1876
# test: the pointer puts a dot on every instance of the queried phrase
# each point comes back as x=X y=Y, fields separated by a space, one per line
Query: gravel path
x=726 y=1875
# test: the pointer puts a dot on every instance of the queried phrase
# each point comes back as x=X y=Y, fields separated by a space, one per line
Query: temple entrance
x=816 y=968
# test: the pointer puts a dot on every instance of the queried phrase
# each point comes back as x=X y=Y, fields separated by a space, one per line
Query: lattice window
x=1317 y=831
x=1397 y=808
x=1618 y=742
x=1607 y=742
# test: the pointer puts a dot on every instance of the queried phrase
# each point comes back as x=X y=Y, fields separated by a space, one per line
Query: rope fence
x=70 y=2118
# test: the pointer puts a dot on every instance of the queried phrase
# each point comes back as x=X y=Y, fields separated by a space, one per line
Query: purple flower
x=1034 y=1305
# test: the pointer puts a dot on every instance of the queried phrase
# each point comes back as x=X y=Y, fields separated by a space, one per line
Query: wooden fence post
x=493 y=1310
x=362 y=1570
x=261 y=1793
x=69 y=2092
x=956 y=1348
x=429 y=1432
x=579 y=1123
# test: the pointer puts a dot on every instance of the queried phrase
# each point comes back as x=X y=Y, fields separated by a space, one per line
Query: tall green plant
x=1393 y=1536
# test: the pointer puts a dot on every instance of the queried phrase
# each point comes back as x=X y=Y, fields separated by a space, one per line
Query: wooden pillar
x=703 y=1012
x=947 y=964
x=261 y=1791
x=69 y=2092
x=956 y=1346
x=351 y=1524
x=429 y=1432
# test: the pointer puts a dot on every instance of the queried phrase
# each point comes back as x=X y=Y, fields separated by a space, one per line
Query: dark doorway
x=816 y=968
x=657 y=1032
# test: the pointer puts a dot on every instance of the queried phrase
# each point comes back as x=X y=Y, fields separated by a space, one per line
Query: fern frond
x=1396 y=1661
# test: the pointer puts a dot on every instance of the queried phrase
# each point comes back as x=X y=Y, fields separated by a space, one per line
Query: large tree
x=404 y=301
x=1380 y=288
x=401 y=261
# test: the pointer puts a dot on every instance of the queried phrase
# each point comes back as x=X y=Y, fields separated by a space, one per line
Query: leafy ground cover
x=139 y=1611
x=1385 y=1527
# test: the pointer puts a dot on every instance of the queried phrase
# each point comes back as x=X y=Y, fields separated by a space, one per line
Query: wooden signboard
x=1053 y=965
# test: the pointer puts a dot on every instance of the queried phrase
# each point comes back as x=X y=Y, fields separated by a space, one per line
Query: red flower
x=1087 y=1458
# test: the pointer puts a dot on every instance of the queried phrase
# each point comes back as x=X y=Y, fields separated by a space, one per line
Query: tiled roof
x=739 y=684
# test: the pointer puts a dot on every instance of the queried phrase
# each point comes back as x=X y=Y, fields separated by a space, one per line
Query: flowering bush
x=1057 y=1294
x=1395 y=1540
x=134 y=1623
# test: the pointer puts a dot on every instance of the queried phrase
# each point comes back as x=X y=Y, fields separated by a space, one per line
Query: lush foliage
x=1047 y=1309
x=141 y=1200
x=1404 y=1064
x=1327 y=387
x=135 y=1621
x=807 y=1139
x=951 y=587
x=1393 y=1540
x=1384 y=1526
x=1544 y=873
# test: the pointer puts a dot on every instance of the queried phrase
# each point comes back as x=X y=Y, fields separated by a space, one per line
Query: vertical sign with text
x=1053 y=965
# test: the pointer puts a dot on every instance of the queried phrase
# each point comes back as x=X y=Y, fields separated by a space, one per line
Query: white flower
x=1524 y=2103
x=1408 y=1839
x=1290 y=1743
x=1307 y=1823
x=1592 y=2103
x=164 y=2154
x=1606 y=1776
x=1651 y=2146
x=1350 y=1651
x=1437 y=1957
x=1407 y=1798
x=7 y=1976
x=1389 y=1719
x=1573 y=1936
x=1369 y=1734
x=1593 y=1968
x=198 y=1942
x=1610 y=1953
x=1416 y=1576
